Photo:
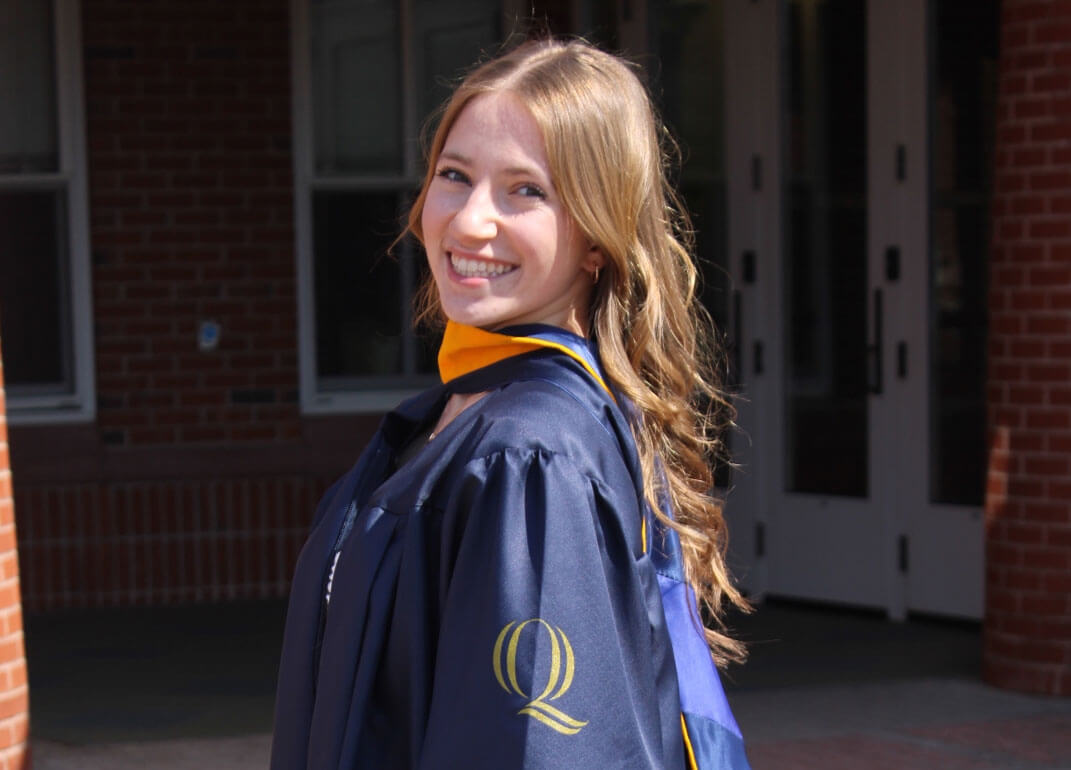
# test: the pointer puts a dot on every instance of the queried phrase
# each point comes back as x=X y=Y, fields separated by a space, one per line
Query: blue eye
x=451 y=175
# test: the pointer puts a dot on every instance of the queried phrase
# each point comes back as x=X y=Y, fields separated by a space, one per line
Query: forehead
x=496 y=125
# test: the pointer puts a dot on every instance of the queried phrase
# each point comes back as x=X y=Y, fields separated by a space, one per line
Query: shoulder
x=543 y=403
x=582 y=500
x=534 y=447
x=543 y=417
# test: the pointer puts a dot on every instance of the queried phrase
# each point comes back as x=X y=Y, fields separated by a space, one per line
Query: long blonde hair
x=608 y=157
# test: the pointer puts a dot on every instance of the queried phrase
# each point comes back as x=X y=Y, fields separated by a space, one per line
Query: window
x=367 y=73
x=45 y=315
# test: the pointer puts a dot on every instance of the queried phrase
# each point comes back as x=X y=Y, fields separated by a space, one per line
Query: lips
x=479 y=268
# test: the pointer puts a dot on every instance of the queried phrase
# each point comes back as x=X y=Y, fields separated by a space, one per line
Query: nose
x=477 y=217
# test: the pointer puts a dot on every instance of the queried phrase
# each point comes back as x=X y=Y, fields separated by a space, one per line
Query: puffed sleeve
x=551 y=649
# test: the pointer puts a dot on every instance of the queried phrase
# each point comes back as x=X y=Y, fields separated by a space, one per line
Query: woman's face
x=501 y=246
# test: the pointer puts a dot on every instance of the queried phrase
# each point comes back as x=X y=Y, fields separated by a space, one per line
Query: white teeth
x=470 y=268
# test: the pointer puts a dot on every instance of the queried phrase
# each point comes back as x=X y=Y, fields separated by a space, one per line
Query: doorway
x=857 y=216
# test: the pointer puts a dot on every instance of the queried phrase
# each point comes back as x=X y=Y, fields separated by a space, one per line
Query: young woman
x=508 y=576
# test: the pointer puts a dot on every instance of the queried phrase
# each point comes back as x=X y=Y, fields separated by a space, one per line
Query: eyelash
x=451 y=175
x=527 y=189
x=536 y=192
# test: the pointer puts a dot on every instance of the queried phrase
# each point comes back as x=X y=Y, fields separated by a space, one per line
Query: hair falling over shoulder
x=609 y=155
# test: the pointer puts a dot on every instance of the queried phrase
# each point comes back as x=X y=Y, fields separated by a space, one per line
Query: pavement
x=192 y=687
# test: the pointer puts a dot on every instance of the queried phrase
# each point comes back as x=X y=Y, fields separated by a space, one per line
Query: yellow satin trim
x=467 y=348
x=688 y=746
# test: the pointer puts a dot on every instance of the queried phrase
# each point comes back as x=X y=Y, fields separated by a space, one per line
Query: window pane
x=450 y=36
x=27 y=88
x=691 y=87
x=963 y=112
x=825 y=253
x=370 y=102
x=363 y=294
x=356 y=87
x=692 y=94
x=34 y=309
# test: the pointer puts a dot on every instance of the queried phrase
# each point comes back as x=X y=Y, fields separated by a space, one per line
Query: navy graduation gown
x=494 y=604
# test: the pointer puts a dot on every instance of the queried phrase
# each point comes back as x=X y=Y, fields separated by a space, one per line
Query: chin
x=479 y=320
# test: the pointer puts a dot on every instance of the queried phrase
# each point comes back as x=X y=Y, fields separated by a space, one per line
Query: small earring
x=595 y=275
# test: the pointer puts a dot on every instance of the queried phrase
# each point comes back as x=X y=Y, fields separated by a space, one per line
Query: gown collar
x=466 y=349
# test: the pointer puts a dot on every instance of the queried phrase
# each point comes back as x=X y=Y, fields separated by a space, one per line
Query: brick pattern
x=191 y=200
x=163 y=542
x=1028 y=502
x=14 y=689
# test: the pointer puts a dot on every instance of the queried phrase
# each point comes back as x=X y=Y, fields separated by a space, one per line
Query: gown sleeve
x=549 y=652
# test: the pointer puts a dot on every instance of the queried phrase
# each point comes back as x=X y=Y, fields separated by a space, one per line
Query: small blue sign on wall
x=208 y=335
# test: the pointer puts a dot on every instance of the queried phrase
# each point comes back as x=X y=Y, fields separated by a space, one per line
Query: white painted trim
x=79 y=406
x=892 y=435
x=768 y=223
x=411 y=152
x=947 y=541
x=358 y=402
x=752 y=92
x=56 y=181
x=45 y=410
x=301 y=101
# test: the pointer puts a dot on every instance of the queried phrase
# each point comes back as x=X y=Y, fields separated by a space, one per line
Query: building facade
x=14 y=688
x=205 y=311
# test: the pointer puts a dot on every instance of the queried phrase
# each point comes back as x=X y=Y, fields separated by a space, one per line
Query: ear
x=594 y=259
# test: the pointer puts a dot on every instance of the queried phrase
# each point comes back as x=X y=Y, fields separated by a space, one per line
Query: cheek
x=570 y=246
x=427 y=223
x=544 y=238
x=432 y=217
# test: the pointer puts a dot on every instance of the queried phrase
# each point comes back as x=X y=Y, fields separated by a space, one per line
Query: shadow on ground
x=108 y=676
x=799 y=645
x=184 y=688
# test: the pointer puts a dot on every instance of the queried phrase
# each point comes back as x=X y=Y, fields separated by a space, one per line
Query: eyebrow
x=454 y=156
x=511 y=170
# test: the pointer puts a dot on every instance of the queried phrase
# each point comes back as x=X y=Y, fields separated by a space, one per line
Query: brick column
x=1028 y=502
x=14 y=690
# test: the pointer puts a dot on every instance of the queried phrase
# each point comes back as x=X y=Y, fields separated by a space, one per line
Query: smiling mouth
x=479 y=268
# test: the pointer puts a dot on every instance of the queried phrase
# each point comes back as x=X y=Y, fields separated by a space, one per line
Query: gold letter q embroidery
x=560 y=676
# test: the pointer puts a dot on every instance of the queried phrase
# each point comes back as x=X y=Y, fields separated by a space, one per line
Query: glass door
x=824 y=254
x=860 y=251
x=828 y=538
x=944 y=530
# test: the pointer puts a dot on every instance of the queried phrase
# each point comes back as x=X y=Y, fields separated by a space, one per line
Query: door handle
x=875 y=350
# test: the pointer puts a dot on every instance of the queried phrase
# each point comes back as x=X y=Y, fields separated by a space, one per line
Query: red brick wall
x=191 y=200
x=1028 y=503
x=14 y=691
x=159 y=542
x=199 y=477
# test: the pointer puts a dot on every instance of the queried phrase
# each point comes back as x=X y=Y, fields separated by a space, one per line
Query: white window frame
x=79 y=405
x=313 y=399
